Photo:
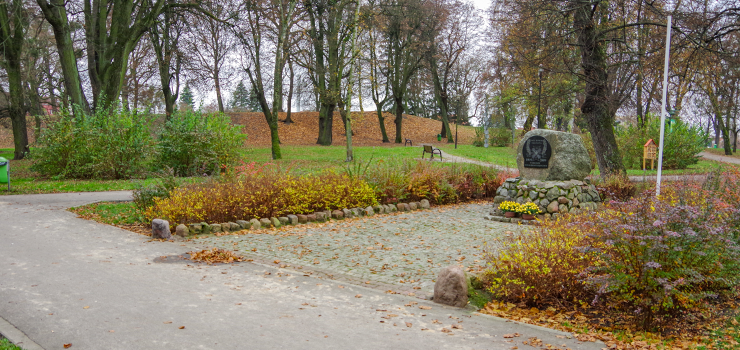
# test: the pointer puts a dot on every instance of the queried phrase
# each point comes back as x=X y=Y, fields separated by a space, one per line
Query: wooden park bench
x=408 y=143
x=431 y=150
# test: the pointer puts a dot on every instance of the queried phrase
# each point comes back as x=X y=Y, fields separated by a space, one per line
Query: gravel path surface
x=406 y=250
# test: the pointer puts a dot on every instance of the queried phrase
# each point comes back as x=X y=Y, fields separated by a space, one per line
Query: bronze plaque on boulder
x=536 y=152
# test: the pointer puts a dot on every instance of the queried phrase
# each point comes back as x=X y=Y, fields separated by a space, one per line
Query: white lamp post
x=663 y=112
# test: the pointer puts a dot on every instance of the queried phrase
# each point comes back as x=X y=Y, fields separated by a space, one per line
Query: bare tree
x=209 y=48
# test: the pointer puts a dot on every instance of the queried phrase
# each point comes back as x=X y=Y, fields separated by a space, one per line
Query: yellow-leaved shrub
x=541 y=266
x=262 y=195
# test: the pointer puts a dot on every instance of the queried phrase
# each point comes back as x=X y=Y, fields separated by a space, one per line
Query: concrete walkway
x=65 y=280
x=719 y=158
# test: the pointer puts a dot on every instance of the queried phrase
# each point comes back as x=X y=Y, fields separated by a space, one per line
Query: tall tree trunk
x=595 y=107
x=11 y=45
x=381 y=120
x=217 y=83
x=399 y=117
x=442 y=102
x=288 y=120
x=16 y=111
x=56 y=15
x=326 y=119
x=165 y=49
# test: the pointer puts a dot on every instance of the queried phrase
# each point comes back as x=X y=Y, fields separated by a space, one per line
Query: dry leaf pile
x=305 y=129
x=215 y=255
x=590 y=325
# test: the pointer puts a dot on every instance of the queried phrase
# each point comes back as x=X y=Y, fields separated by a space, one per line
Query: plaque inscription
x=536 y=152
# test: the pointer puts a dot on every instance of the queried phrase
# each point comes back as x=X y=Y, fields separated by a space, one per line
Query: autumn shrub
x=660 y=256
x=262 y=194
x=648 y=258
x=616 y=187
x=497 y=137
x=193 y=143
x=407 y=180
x=681 y=145
x=542 y=265
x=144 y=195
x=109 y=143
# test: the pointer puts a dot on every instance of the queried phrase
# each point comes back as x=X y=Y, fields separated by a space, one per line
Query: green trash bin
x=439 y=137
x=5 y=171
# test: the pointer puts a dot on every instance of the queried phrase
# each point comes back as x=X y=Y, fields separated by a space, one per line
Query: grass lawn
x=702 y=167
x=504 y=156
x=111 y=213
x=322 y=157
x=296 y=158
x=5 y=344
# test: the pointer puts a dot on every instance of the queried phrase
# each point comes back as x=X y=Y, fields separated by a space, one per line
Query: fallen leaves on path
x=215 y=255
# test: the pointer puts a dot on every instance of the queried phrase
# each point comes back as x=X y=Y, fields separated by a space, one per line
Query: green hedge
x=681 y=144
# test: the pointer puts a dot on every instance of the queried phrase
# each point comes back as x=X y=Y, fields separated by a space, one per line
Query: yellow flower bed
x=509 y=206
x=529 y=208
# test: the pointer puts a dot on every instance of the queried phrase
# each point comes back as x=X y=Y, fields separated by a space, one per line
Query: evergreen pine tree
x=240 y=98
x=253 y=104
x=186 y=96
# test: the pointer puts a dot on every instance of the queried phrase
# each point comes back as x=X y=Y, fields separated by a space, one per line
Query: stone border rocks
x=202 y=228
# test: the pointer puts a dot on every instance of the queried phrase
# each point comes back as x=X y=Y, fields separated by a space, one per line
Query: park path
x=719 y=158
x=66 y=280
x=449 y=158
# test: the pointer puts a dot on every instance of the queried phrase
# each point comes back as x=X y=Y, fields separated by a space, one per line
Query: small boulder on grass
x=161 y=229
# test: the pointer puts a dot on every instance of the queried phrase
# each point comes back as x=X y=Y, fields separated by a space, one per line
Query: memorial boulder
x=553 y=167
x=548 y=155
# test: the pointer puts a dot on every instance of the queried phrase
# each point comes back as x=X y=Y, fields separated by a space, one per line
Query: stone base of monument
x=497 y=215
x=552 y=197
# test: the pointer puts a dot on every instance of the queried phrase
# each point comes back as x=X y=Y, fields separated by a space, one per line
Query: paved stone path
x=400 y=251
x=66 y=280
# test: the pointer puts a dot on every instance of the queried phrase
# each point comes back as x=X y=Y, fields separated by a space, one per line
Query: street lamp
x=540 y=121
x=671 y=119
